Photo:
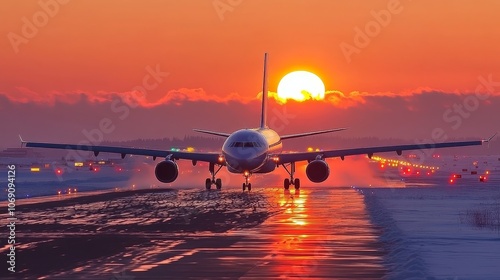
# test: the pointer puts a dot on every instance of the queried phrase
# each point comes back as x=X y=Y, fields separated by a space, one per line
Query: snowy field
x=444 y=232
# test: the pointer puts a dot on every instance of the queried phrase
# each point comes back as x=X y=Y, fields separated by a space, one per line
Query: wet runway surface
x=317 y=233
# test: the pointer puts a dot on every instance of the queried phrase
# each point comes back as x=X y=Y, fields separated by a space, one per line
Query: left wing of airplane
x=195 y=156
x=309 y=156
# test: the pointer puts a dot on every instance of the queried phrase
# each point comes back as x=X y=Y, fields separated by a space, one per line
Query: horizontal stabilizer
x=311 y=133
x=222 y=134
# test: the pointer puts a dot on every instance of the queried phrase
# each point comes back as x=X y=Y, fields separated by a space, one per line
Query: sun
x=300 y=86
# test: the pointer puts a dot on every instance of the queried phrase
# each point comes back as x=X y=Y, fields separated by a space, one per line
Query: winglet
x=22 y=141
x=489 y=139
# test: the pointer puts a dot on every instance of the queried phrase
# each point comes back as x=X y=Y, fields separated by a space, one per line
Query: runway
x=317 y=233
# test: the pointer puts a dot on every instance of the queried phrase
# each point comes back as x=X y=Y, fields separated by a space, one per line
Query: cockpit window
x=245 y=144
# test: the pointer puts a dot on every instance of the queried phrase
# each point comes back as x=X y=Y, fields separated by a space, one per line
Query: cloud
x=132 y=98
x=343 y=100
x=59 y=117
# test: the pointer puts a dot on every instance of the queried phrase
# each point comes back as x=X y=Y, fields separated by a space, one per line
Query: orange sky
x=104 y=45
x=415 y=65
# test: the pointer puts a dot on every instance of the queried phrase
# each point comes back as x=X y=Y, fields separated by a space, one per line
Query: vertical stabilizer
x=263 y=116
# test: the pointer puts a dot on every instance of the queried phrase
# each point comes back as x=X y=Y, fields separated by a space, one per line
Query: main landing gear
x=287 y=182
x=212 y=181
x=247 y=184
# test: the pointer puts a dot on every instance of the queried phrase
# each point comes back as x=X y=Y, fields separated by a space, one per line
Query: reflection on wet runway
x=323 y=233
x=267 y=234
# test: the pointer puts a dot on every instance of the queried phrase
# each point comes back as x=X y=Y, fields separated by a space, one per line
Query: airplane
x=250 y=151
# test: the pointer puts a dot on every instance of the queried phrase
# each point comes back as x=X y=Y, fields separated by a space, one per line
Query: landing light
x=221 y=159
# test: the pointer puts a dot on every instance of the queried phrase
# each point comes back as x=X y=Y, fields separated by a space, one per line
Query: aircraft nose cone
x=244 y=161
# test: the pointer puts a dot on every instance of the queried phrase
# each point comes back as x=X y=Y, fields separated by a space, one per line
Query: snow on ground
x=426 y=233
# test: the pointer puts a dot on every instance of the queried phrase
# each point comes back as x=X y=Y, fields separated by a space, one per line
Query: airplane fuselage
x=248 y=150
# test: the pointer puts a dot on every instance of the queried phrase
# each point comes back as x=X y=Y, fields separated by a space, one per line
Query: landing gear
x=247 y=185
x=287 y=182
x=296 y=183
x=210 y=181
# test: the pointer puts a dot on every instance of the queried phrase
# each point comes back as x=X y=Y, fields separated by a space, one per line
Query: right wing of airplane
x=309 y=156
x=195 y=156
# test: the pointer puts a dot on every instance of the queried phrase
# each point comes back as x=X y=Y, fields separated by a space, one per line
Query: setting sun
x=300 y=86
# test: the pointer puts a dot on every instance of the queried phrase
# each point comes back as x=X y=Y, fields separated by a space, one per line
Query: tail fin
x=263 y=116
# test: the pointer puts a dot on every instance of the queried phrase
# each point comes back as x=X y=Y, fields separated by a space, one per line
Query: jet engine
x=166 y=171
x=317 y=171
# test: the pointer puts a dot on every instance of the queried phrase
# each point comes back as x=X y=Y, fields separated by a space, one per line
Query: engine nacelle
x=317 y=171
x=166 y=171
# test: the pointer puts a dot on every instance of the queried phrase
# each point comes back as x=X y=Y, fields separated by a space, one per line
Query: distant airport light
x=59 y=172
x=78 y=164
x=189 y=149
x=310 y=149
x=487 y=172
x=35 y=169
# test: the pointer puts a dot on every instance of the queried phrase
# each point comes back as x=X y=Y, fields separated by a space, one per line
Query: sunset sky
x=390 y=68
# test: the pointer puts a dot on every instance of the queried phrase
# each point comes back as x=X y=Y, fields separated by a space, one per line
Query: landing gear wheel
x=249 y=186
x=297 y=184
x=286 y=184
x=213 y=173
x=244 y=186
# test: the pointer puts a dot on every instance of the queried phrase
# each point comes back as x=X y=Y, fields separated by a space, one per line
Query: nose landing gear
x=247 y=184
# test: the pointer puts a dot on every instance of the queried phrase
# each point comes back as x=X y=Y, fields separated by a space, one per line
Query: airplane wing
x=294 y=157
x=206 y=157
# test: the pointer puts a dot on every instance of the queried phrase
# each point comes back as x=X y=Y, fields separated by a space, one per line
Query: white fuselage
x=249 y=150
